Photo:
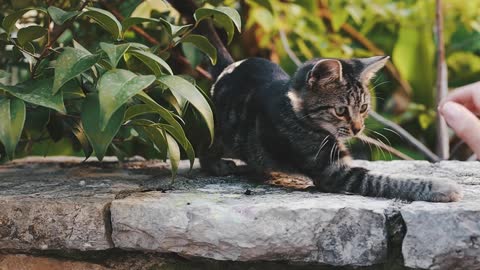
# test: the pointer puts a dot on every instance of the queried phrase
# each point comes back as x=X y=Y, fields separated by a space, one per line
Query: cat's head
x=333 y=94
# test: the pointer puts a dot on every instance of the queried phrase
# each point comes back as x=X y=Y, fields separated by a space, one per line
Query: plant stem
x=442 y=83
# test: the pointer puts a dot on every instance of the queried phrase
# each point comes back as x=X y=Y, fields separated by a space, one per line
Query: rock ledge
x=64 y=205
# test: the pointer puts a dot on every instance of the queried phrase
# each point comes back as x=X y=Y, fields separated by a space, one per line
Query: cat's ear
x=324 y=71
x=371 y=66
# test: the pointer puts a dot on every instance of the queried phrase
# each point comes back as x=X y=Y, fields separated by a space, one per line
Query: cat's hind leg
x=211 y=160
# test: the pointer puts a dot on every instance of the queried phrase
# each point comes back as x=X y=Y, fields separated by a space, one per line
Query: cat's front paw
x=445 y=191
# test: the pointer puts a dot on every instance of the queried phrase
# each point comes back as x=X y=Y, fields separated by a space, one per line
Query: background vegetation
x=159 y=64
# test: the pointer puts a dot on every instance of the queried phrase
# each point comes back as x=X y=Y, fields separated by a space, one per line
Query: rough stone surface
x=64 y=205
x=223 y=225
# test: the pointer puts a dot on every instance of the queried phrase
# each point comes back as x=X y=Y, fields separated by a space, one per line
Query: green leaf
x=60 y=16
x=152 y=61
x=184 y=142
x=173 y=153
x=99 y=139
x=72 y=90
x=10 y=20
x=77 y=129
x=12 y=115
x=164 y=113
x=339 y=18
x=204 y=45
x=174 y=30
x=115 y=88
x=38 y=92
x=138 y=109
x=114 y=52
x=154 y=134
x=106 y=19
x=71 y=63
x=192 y=53
x=131 y=21
x=266 y=4
x=30 y=33
x=4 y=74
x=184 y=89
x=224 y=16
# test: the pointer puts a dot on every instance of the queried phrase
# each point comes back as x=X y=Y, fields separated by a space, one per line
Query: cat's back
x=243 y=77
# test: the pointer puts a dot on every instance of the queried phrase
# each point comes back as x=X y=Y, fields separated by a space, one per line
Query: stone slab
x=63 y=204
x=441 y=236
x=219 y=224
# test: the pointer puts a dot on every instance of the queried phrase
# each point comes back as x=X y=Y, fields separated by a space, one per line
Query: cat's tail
x=187 y=9
x=361 y=181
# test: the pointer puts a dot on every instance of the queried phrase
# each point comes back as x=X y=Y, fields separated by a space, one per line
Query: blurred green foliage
x=314 y=28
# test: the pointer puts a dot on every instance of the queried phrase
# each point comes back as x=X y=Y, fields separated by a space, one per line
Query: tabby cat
x=297 y=125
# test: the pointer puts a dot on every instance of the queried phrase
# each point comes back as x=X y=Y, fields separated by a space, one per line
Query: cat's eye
x=363 y=108
x=341 y=111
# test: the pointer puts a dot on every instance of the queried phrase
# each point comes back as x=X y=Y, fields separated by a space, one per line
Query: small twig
x=442 y=83
x=287 y=48
x=53 y=36
x=384 y=147
x=153 y=41
x=407 y=136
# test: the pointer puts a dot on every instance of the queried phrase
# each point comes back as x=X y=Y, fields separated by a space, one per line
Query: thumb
x=464 y=123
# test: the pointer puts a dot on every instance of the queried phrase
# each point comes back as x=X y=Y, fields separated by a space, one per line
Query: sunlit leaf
x=138 y=109
x=114 y=52
x=106 y=19
x=79 y=133
x=38 y=92
x=173 y=153
x=60 y=16
x=183 y=88
x=71 y=63
x=165 y=114
x=12 y=115
x=174 y=30
x=115 y=88
x=224 y=16
x=204 y=45
x=266 y=4
x=154 y=62
x=131 y=21
x=30 y=33
x=10 y=20
x=99 y=139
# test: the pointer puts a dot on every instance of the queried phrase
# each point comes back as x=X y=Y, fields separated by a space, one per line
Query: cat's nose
x=356 y=128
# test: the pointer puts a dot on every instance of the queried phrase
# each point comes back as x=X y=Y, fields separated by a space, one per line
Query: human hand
x=459 y=109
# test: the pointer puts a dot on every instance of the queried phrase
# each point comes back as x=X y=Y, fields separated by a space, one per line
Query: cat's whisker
x=331 y=152
x=389 y=143
x=382 y=83
x=383 y=143
x=322 y=144
x=392 y=131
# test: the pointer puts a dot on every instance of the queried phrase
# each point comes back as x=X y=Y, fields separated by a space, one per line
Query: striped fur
x=297 y=125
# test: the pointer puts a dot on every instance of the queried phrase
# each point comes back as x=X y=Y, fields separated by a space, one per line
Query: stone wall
x=60 y=212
